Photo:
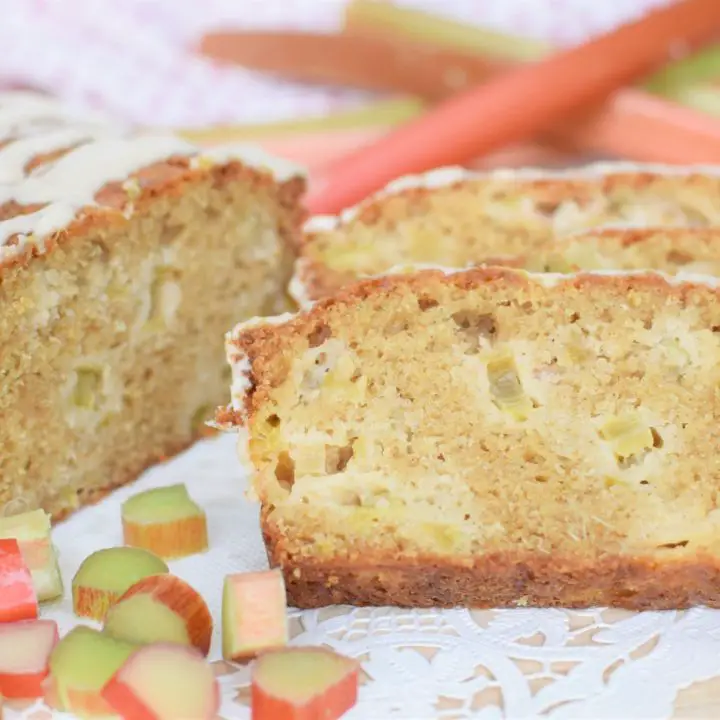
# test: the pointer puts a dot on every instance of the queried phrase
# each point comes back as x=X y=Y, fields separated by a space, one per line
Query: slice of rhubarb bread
x=124 y=257
x=455 y=218
x=489 y=437
x=671 y=250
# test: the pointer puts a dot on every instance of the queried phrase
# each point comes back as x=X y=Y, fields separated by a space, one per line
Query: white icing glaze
x=76 y=177
x=445 y=176
x=681 y=278
x=70 y=184
x=105 y=153
x=241 y=368
x=253 y=156
x=297 y=289
x=238 y=360
x=409 y=268
x=258 y=322
x=554 y=279
x=15 y=156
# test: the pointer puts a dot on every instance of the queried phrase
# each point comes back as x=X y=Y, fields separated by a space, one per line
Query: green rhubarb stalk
x=378 y=114
x=692 y=81
x=705 y=98
x=389 y=19
x=687 y=81
x=699 y=67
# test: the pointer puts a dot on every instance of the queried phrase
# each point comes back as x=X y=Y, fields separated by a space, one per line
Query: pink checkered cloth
x=135 y=59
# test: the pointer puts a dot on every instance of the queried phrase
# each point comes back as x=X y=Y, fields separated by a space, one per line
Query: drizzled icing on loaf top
x=84 y=157
x=447 y=176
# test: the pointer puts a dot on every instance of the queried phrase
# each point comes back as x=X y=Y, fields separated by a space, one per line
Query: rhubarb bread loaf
x=454 y=218
x=124 y=257
x=489 y=437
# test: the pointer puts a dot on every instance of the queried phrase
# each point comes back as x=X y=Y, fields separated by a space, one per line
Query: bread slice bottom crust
x=497 y=580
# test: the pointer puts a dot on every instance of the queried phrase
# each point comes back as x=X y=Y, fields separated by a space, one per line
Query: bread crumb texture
x=516 y=222
x=483 y=436
x=112 y=351
x=123 y=259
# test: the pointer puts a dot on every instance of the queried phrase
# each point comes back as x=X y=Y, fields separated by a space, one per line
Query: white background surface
x=425 y=664
x=135 y=57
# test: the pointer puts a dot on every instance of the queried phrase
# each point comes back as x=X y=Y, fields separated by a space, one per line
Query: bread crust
x=661 y=578
x=165 y=179
x=262 y=342
x=381 y=211
x=497 y=580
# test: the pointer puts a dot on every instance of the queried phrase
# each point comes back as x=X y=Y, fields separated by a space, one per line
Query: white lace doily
x=446 y=664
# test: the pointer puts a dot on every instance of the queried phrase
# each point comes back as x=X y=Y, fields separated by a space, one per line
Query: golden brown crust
x=165 y=179
x=498 y=580
x=263 y=343
x=384 y=212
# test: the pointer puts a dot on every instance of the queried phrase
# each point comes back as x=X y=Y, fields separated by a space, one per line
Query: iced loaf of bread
x=124 y=257
x=489 y=437
x=455 y=218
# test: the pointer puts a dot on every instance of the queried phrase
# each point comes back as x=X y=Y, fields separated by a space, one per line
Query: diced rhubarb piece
x=106 y=574
x=164 y=682
x=32 y=530
x=25 y=649
x=18 y=600
x=254 y=614
x=303 y=683
x=80 y=666
x=165 y=521
x=161 y=608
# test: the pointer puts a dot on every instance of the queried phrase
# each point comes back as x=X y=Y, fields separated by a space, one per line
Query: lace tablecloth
x=519 y=663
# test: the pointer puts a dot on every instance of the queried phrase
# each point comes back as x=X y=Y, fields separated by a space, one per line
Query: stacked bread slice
x=453 y=218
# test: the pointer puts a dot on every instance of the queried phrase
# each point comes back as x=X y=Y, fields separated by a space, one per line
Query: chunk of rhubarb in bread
x=106 y=574
x=18 y=600
x=164 y=682
x=25 y=649
x=165 y=521
x=32 y=531
x=253 y=614
x=303 y=683
x=80 y=666
x=161 y=608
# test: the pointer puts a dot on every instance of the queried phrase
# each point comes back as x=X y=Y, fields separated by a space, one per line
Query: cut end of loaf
x=114 y=323
x=447 y=417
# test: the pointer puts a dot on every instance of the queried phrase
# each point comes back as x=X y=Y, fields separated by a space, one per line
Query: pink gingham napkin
x=136 y=59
